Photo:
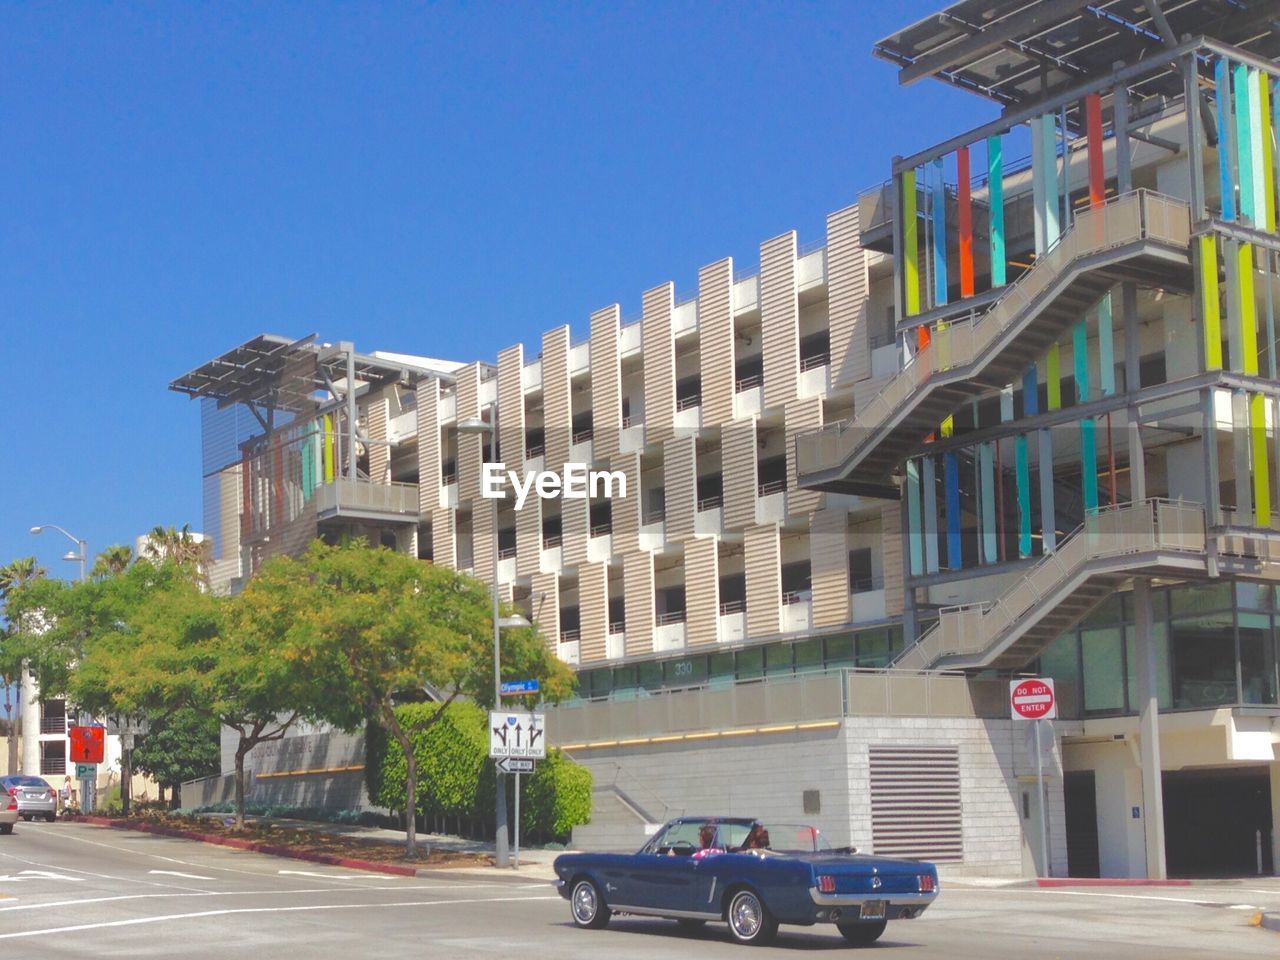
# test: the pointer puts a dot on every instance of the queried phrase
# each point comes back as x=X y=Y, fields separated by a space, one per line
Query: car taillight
x=13 y=804
x=927 y=883
x=827 y=884
x=13 y=791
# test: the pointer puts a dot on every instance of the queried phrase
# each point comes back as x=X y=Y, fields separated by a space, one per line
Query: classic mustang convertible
x=750 y=874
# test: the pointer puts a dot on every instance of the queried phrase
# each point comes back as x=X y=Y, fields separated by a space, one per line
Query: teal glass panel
x=720 y=670
x=995 y=188
x=987 y=467
x=1244 y=139
x=939 y=239
x=686 y=672
x=1060 y=661
x=1022 y=479
x=1089 y=462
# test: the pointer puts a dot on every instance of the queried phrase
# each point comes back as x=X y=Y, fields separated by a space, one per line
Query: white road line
x=231 y=893
x=1131 y=896
x=185 y=876
x=137 y=921
x=334 y=876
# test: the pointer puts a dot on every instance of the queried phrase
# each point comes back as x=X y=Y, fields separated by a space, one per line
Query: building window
x=861 y=578
x=53 y=758
x=748 y=373
x=1202 y=650
x=689 y=392
x=655 y=505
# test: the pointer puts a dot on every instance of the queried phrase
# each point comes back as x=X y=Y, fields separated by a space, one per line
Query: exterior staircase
x=1153 y=537
x=1140 y=236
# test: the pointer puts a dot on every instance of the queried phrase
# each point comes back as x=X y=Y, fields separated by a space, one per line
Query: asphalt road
x=72 y=890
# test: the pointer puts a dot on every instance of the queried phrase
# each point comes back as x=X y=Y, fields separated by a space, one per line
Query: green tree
x=182 y=745
x=112 y=561
x=387 y=626
x=13 y=577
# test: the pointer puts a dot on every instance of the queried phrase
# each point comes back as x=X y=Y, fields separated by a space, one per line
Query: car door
x=662 y=876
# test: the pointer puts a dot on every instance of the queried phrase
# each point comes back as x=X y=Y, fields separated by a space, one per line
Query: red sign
x=1032 y=700
x=88 y=744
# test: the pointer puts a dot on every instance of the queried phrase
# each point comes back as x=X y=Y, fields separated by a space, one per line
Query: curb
x=1109 y=882
x=1267 y=921
x=254 y=846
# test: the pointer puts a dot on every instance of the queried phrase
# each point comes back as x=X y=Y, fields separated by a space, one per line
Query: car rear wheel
x=749 y=919
x=6 y=828
x=51 y=817
x=862 y=933
x=587 y=905
x=26 y=817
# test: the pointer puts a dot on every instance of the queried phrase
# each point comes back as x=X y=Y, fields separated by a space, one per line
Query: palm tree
x=181 y=546
x=112 y=561
x=13 y=576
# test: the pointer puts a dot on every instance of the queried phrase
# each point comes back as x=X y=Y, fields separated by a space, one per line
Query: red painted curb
x=255 y=846
x=1108 y=882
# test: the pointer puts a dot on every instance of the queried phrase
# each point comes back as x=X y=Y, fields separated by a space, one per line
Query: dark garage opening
x=1080 y=796
x=1211 y=820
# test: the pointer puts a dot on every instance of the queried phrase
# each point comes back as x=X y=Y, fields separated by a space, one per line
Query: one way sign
x=517 y=735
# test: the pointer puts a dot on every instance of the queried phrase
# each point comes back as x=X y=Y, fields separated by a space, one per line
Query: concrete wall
x=765 y=776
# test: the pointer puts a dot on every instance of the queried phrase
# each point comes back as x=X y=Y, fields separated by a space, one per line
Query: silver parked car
x=35 y=797
x=8 y=813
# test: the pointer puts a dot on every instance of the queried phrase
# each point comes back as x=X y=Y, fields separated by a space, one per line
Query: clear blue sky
x=445 y=179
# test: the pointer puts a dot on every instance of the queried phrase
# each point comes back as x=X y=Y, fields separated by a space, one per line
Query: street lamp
x=475 y=427
x=70 y=554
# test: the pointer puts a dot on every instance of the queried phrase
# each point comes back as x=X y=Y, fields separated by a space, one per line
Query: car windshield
x=796 y=838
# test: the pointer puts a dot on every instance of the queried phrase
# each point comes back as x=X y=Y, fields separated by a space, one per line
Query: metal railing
x=732 y=606
x=626 y=423
x=570 y=636
x=656 y=516
x=400 y=499
x=617 y=626
x=448 y=478
x=814 y=360
x=551 y=542
x=506 y=553
x=743 y=384
x=1135 y=528
x=866 y=584
x=690 y=400
x=671 y=616
x=53 y=724
x=582 y=436
x=710 y=503
x=771 y=487
x=790 y=597
x=536 y=450
x=1138 y=215
x=602 y=529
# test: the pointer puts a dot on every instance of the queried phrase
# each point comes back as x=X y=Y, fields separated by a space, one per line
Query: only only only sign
x=517 y=734
x=1032 y=699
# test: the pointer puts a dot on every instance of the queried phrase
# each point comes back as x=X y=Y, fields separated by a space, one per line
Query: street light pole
x=502 y=858
x=81 y=544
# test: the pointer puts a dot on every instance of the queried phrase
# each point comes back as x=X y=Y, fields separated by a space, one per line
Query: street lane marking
x=334 y=876
x=185 y=876
x=37 y=875
x=310 y=908
x=1134 y=896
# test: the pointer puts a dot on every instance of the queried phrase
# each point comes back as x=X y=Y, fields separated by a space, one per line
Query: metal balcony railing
x=710 y=503
x=535 y=450
x=582 y=436
x=617 y=626
x=814 y=360
x=551 y=542
x=771 y=487
x=365 y=496
x=602 y=529
x=743 y=384
x=1138 y=215
x=506 y=553
x=1134 y=528
x=866 y=584
x=732 y=606
x=570 y=636
x=790 y=597
x=53 y=724
x=671 y=616
x=687 y=401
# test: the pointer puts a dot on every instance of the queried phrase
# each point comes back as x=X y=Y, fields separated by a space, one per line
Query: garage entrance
x=1211 y=819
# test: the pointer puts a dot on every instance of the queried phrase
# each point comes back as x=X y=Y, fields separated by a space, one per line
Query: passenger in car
x=757 y=838
x=707 y=842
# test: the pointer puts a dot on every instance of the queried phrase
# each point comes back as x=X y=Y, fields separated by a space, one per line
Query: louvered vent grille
x=915 y=803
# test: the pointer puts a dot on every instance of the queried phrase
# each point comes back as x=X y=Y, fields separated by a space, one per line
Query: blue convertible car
x=750 y=874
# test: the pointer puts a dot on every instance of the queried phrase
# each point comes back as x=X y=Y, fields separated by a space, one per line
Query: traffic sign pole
x=515 y=850
x=1044 y=818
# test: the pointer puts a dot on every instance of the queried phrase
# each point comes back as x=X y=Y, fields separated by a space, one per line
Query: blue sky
x=444 y=179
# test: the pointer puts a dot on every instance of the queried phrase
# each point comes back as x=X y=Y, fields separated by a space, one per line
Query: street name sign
x=517 y=735
x=512 y=765
x=1032 y=699
x=518 y=688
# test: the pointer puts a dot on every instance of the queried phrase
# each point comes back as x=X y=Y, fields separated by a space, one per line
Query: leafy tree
x=112 y=561
x=180 y=546
x=13 y=577
x=182 y=745
x=386 y=626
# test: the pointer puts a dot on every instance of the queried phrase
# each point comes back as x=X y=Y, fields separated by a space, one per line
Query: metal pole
x=84 y=551
x=1044 y=814
x=501 y=857
x=351 y=410
x=515 y=858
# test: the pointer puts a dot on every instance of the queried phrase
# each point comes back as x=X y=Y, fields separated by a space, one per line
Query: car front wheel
x=862 y=933
x=587 y=905
x=749 y=919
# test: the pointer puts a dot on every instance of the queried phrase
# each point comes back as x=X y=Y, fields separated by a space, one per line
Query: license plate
x=872 y=910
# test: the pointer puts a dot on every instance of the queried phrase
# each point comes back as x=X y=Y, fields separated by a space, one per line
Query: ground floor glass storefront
x=1215 y=644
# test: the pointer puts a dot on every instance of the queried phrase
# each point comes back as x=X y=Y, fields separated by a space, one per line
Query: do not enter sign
x=1032 y=700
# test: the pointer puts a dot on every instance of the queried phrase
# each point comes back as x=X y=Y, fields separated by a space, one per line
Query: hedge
x=455 y=776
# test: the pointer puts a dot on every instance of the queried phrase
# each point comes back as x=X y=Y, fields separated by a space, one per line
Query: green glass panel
x=777 y=659
x=808 y=655
x=721 y=669
x=1061 y=662
x=1189 y=599
x=750 y=663
x=650 y=675
x=839 y=651
x=873 y=648
x=1164 y=688
x=1103 y=669
x=686 y=672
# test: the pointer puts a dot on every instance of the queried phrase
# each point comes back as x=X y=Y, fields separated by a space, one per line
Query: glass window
x=777 y=659
x=1060 y=662
x=1189 y=599
x=839 y=651
x=650 y=675
x=1103 y=658
x=1202 y=651
x=721 y=670
x=1257 y=659
x=750 y=663
x=596 y=683
x=873 y=648
x=1254 y=596
x=1164 y=690
x=808 y=654
x=624 y=682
